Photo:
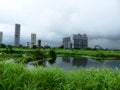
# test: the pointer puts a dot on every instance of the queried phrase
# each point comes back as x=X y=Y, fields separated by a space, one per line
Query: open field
x=15 y=76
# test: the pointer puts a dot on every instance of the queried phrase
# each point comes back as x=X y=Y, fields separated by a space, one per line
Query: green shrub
x=38 y=54
x=52 y=54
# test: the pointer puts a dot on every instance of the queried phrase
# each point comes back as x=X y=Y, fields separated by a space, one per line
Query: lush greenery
x=96 y=54
x=17 y=77
x=42 y=54
x=26 y=55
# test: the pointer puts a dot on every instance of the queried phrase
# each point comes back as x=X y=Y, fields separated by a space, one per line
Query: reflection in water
x=79 y=62
x=69 y=63
x=66 y=59
x=115 y=64
x=52 y=61
x=41 y=63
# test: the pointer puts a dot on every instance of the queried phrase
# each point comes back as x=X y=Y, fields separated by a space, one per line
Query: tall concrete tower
x=17 y=35
x=33 y=39
x=1 y=37
x=39 y=43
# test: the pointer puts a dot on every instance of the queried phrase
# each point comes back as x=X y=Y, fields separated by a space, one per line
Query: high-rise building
x=80 y=41
x=67 y=43
x=39 y=43
x=1 y=37
x=33 y=39
x=17 y=35
x=28 y=44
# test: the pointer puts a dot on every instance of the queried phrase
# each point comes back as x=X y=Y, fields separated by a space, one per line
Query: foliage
x=93 y=53
x=52 y=61
x=34 y=47
x=2 y=46
x=24 y=59
x=17 y=77
x=38 y=54
x=9 y=50
x=52 y=54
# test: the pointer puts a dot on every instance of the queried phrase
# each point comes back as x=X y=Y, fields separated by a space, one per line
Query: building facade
x=39 y=43
x=17 y=35
x=67 y=43
x=33 y=39
x=78 y=41
x=1 y=37
x=28 y=44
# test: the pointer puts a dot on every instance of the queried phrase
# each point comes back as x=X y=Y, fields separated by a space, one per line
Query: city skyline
x=99 y=19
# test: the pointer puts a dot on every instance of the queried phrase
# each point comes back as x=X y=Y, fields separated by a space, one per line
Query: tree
x=61 y=47
x=34 y=46
x=2 y=46
x=52 y=54
x=9 y=50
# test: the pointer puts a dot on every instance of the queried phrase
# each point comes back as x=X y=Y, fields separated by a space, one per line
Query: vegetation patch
x=15 y=76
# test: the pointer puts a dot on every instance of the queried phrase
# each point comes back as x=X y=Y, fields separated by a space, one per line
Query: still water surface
x=69 y=63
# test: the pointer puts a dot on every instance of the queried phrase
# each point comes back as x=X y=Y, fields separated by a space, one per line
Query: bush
x=38 y=54
x=9 y=50
x=52 y=54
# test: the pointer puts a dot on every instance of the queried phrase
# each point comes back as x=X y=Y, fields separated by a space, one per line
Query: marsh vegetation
x=15 y=76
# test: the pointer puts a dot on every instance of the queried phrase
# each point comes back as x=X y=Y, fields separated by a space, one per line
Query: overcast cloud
x=52 y=20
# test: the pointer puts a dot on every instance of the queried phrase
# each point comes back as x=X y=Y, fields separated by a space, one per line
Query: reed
x=15 y=76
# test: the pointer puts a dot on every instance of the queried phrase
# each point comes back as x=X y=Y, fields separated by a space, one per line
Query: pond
x=69 y=63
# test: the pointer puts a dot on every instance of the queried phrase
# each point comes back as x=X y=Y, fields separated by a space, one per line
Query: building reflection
x=75 y=61
x=66 y=59
x=82 y=61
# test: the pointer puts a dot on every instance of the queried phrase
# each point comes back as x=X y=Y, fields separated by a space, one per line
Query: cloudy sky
x=52 y=20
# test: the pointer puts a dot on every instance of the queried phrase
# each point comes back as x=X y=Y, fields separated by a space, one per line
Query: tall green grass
x=17 y=77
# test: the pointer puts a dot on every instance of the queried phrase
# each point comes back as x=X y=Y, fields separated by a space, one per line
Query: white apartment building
x=33 y=39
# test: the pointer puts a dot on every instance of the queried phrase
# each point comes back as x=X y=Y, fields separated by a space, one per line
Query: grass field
x=15 y=76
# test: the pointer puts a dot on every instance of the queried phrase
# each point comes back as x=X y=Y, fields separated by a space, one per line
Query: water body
x=70 y=63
